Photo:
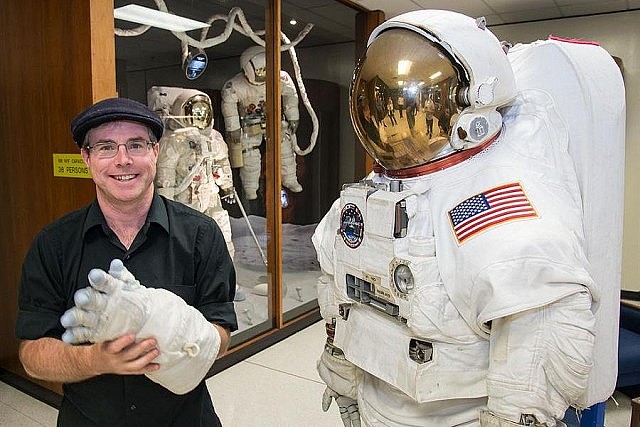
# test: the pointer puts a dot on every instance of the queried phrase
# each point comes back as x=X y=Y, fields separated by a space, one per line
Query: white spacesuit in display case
x=243 y=109
x=193 y=163
x=458 y=287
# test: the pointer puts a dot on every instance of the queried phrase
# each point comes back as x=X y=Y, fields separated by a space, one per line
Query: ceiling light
x=435 y=75
x=156 y=18
x=404 y=65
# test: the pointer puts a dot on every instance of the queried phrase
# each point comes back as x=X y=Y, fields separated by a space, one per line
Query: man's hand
x=348 y=407
x=125 y=356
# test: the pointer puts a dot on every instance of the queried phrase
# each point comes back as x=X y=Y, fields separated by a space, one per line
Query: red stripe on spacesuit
x=513 y=216
x=574 y=41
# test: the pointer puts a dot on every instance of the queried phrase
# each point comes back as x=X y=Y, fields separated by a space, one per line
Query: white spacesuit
x=193 y=164
x=456 y=287
x=243 y=99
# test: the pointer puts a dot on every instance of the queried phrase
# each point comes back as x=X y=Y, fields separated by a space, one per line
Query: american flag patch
x=492 y=207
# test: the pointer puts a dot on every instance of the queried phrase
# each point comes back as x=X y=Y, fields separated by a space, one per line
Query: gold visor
x=198 y=112
x=413 y=73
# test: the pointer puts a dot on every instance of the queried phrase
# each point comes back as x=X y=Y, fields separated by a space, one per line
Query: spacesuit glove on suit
x=234 y=143
x=488 y=419
x=116 y=304
x=341 y=377
x=293 y=125
x=348 y=407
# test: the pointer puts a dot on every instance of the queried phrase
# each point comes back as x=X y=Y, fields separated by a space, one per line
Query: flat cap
x=113 y=109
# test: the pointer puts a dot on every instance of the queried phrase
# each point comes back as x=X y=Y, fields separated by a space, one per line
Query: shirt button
x=132 y=407
x=127 y=257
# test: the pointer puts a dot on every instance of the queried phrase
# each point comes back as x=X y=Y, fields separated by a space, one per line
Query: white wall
x=619 y=34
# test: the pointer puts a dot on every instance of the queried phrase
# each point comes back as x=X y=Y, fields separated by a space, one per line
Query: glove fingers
x=90 y=299
x=100 y=280
x=77 y=335
x=326 y=399
x=75 y=317
x=345 y=417
x=119 y=271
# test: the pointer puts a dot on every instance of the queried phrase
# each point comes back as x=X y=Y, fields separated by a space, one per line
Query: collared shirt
x=178 y=249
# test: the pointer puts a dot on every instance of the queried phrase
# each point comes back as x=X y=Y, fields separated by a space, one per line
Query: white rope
x=305 y=101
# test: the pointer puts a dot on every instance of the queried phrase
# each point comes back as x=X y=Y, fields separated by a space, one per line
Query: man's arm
x=225 y=339
x=50 y=359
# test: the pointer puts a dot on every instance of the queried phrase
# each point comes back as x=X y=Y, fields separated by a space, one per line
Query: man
x=145 y=348
x=457 y=287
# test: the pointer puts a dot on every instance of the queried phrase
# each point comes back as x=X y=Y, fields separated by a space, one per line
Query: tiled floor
x=278 y=387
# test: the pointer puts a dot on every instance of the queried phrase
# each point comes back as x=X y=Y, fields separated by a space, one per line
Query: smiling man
x=129 y=300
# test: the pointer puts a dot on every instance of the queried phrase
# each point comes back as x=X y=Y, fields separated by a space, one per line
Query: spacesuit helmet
x=193 y=108
x=443 y=67
x=254 y=65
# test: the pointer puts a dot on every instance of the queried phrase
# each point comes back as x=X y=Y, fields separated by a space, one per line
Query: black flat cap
x=112 y=109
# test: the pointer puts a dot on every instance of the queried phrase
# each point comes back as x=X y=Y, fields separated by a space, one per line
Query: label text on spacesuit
x=70 y=166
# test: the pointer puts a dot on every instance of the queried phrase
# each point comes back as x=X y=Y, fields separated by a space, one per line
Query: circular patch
x=351 y=225
x=479 y=128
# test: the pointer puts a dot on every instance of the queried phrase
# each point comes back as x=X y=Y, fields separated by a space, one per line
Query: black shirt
x=178 y=249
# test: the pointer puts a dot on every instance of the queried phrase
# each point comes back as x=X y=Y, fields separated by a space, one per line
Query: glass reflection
x=403 y=110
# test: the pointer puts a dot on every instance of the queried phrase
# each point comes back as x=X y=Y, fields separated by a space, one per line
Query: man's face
x=123 y=178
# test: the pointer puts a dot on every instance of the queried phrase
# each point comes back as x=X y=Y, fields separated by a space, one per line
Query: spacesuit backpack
x=587 y=88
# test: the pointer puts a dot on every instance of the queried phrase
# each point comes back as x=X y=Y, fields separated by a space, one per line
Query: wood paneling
x=273 y=11
x=58 y=57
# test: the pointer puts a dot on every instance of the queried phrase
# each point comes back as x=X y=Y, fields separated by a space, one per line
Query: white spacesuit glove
x=293 y=125
x=489 y=419
x=234 y=144
x=341 y=378
x=233 y=137
x=348 y=407
x=116 y=304
x=229 y=195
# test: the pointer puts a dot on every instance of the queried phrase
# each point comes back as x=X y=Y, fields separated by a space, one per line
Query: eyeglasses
x=107 y=150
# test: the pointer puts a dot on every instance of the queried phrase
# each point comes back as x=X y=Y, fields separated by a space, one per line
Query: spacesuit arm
x=166 y=168
x=540 y=361
x=222 y=174
x=289 y=98
x=340 y=375
x=231 y=116
x=229 y=107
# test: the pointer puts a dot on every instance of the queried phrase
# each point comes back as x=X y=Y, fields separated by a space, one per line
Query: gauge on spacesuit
x=401 y=63
x=403 y=278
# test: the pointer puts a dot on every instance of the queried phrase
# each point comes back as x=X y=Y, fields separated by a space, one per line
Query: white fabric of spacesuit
x=243 y=109
x=460 y=289
x=193 y=164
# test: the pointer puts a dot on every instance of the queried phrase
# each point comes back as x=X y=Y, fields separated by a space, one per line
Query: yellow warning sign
x=70 y=166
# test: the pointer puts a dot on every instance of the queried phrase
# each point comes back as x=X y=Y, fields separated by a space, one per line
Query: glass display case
x=316 y=144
